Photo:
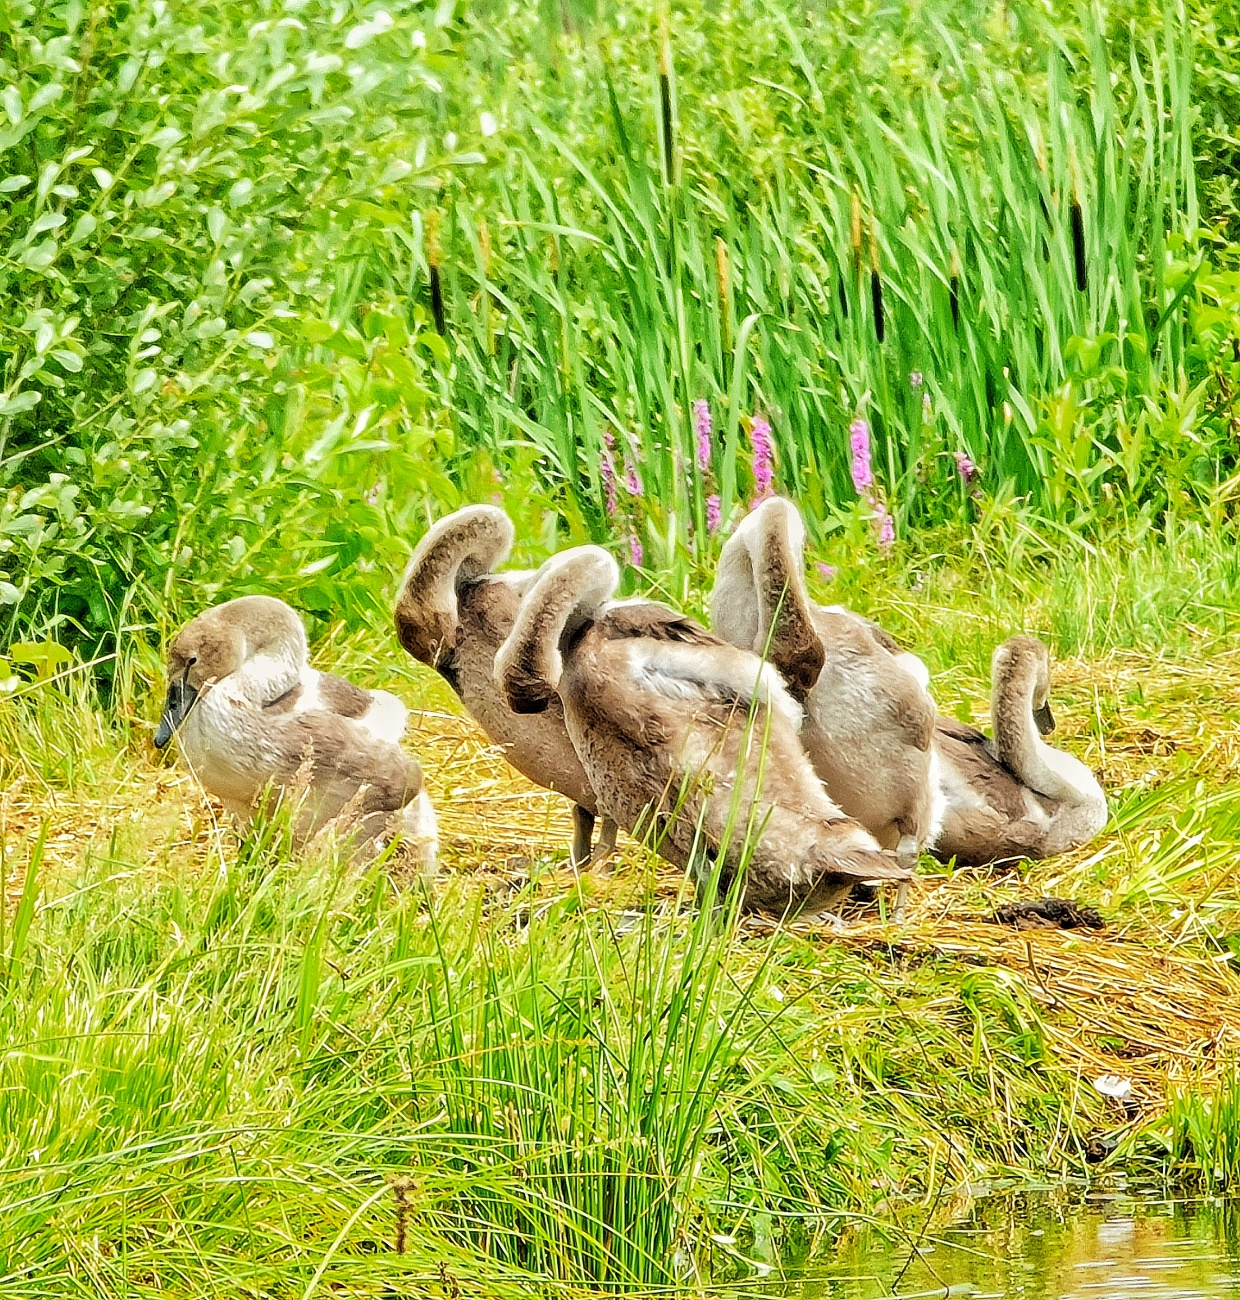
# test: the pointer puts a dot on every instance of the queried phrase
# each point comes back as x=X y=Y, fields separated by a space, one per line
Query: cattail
x=955 y=289
x=432 y=259
x=665 y=99
x=1078 y=222
x=401 y=1187
x=843 y=292
x=876 y=287
x=723 y=281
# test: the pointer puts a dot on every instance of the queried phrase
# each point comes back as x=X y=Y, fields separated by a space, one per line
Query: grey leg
x=907 y=853
x=606 y=845
x=583 y=832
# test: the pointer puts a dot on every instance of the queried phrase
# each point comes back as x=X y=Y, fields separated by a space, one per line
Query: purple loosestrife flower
x=632 y=479
x=372 y=497
x=607 y=471
x=701 y=431
x=763 y=456
x=884 y=528
x=714 y=513
x=636 y=554
x=826 y=571
x=859 y=444
x=965 y=467
x=915 y=378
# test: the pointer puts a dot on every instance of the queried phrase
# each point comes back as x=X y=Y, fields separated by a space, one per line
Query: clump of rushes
x=723 y=282
x=1078 y=222
x=433 y=254
x=876 y=288
x=665 y=100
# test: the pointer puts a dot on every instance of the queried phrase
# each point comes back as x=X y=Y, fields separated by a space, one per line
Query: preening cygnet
x=1014 y=796
x=689 y=742
x=453 y=613
x=869 y=721
x=251 y=715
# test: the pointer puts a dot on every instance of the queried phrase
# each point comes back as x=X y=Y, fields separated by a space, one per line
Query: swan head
x=1022 y=666
x=257 y=639
x=460 y=548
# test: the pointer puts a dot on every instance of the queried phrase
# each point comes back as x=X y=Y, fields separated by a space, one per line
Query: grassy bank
x=225 y=1068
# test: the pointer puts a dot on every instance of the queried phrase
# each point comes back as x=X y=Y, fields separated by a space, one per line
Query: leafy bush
x=218 y=355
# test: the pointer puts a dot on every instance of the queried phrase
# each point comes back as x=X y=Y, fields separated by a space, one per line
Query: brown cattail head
x=955 y=288
x=665 y=100
x=856 y=231
x=876 y=288
x=723 y=282
x=1078 y=220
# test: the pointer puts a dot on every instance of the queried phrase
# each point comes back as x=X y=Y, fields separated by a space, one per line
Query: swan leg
x=907 y=855
x=583 y=832
x=606 y=845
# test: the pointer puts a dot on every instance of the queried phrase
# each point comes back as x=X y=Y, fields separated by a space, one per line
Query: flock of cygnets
x=795 y=745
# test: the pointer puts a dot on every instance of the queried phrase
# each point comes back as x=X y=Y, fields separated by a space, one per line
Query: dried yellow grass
x=1145 y=999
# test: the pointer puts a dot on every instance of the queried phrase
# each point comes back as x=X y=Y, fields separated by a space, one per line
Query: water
x=1046 y=1247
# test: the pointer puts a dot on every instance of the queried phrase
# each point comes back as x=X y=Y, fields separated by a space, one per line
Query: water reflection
x=1047 y=1247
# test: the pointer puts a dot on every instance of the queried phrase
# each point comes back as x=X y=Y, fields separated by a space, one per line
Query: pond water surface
x=1046 y=1247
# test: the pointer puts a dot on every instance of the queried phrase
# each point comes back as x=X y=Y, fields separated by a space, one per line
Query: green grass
x=219 y=360
x=218 y=1060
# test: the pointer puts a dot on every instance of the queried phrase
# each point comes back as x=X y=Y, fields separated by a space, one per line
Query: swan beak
x=1045 y=719
x=181 y=697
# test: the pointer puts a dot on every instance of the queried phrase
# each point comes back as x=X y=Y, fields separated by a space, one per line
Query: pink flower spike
x=859 y=445
x=632 y=479
x=372 y=497
x=763 y=457
x=607 y=471
x=636 y=554
x=915 y=378
x=884 y=527
x=965 y=467
x=701 y=431
x=826 y=571
x=714 y=513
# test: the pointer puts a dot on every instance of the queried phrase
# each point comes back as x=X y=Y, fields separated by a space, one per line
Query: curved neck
x=567 y=593
x=266 y=676
x=734 y=598
x=1019 y=748
x=458 y=549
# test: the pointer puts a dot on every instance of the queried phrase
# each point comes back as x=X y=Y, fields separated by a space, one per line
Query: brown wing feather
x=657 y=622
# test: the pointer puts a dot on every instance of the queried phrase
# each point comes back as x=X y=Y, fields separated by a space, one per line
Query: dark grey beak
x=181 y=697
x=1044 y=719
